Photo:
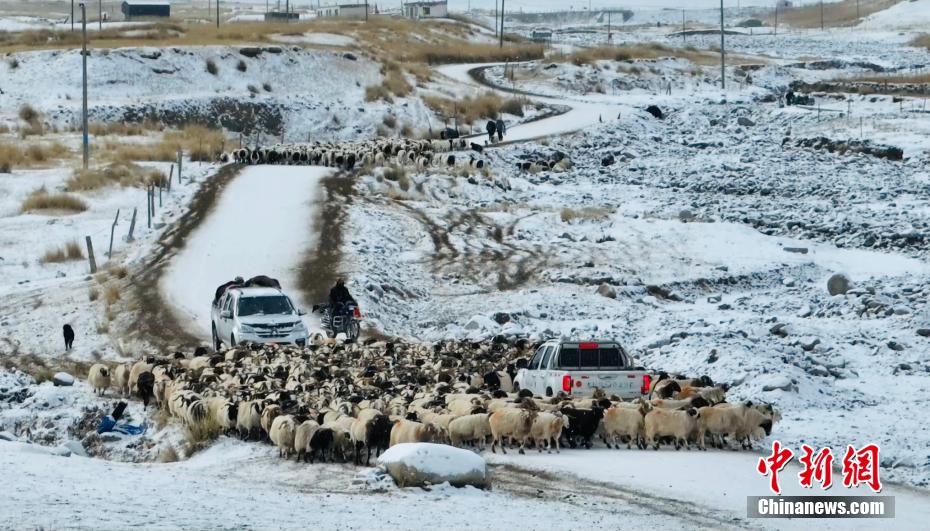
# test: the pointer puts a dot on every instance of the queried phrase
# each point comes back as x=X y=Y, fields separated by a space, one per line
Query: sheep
x=371 y=430
x=405 y=431
x=249 y=419
x=223 y=412
x=470 y=428
x=670 y=423
x=302 y=436
x=624 y=422
x=713 y=395
x=515 y=423
x=696 y=402
x=121 y=379
x=268 y=415
x=282 y=432
x=583 y=424
x=138 y=368
x=99 y=378
x=321 y=443
x=546 y=428
x=145 y=383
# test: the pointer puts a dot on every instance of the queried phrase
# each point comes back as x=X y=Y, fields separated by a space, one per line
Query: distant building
x=784 y=4
x=354 y=11
x=281 y=16
x=145 y=9
x=426 y=9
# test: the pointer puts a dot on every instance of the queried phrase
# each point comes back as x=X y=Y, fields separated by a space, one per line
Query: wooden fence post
x=159 y=195
x=112 y=232
x=90 y=255
x=170 y=176
x=179 y=166
x=148 y=204
x=132 y=225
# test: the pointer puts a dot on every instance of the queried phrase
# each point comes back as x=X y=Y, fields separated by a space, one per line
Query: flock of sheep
x=348 y=155
x=333 y=401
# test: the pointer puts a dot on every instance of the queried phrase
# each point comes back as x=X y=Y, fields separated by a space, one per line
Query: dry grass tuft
x=119 y=272
x=921 y=41
x=569 y=215
x=22 y=156
x=835 y=14
x=111 y=294
x=168 y=455
x=42 y=200
x=33 y=119
x=200 y=143
x=71 y=251
x=121 y=173
x=93 y=294
x=122 y=128
x=483 y=106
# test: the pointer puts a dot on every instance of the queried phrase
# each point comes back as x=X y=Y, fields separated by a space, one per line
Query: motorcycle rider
x=339 y=296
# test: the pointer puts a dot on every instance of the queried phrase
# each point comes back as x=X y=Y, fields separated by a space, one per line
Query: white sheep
x=546 y=428
x=249 y=418
x=470 y=429
x=283 y=430
x=99 y=378
x=670 y=423
x=302 y=436
x=624 y=422
x=405 y=431
x=121 y=379
x=515 y=423
x=138 y=368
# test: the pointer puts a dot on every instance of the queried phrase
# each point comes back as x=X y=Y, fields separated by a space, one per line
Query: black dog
x=69 y=336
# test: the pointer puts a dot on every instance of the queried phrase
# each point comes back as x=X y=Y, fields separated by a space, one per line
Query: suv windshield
x=606 y=357
x=271 y=305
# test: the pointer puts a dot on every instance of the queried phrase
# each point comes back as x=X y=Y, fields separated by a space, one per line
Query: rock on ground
x=62 y=379
x=838 y=284
x=419 y=464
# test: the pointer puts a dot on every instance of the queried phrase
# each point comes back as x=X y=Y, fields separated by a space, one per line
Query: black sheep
x=69 y=336
x=320 y=444
x=378 y=437
x=145 y=387
x=582 y=423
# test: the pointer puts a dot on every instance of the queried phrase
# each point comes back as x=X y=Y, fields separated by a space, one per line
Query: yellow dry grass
x=117 y=173
x=71 y=251
x=893 y=79
x=922 y=41
x=585 y=214
x=835 y=14
x=198 y=142
x=27 y=155
x=482 y=106
x=42 y=200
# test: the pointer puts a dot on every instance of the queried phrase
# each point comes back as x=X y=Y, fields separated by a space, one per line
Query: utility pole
x=86 y=144
x=366 y=10
x=857 y=9
x=723 y=62
x=72 y=15
x=502 y=25
x=609 y=39
x=217 y=13
x=776 y=16
x=495 y=17
x=821 y=15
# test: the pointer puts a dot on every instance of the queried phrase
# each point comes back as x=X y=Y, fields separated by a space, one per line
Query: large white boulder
x=419 y=464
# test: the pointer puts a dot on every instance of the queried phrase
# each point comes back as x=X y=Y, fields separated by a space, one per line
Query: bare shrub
x=71 y=251
x=111 y=294
x=117 y=173
x=211 y=67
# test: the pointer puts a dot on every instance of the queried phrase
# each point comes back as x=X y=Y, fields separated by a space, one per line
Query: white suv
x=257 y=315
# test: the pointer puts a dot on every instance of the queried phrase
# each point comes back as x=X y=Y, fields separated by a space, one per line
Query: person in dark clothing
x=492 y=128
x=339 y=294
x=69 y=336
x=789 y=97
x=501 y=129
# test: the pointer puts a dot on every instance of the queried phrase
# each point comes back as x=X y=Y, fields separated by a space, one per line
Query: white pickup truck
x=257 y=315
x=578 y=368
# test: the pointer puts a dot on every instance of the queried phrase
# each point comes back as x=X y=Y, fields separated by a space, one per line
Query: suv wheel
x=217 y=344
x=232 y=340
x=548 y=391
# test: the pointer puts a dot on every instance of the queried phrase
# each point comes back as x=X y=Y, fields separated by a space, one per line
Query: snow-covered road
x=262 y=225
x=583 y=113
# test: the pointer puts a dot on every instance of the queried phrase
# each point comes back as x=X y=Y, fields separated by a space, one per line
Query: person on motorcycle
x=339 y=296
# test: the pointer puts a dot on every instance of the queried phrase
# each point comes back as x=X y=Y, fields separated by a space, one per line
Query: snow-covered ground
x=713 y=232
x=263 y=224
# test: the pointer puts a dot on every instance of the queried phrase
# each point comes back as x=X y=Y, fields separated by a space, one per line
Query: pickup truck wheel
x=217 y=344
x=548 y=391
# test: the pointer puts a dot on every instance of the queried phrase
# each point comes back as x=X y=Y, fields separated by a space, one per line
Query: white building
x=426 y=9
x=354 y=11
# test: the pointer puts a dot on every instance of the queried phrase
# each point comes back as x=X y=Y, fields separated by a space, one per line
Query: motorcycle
x=344 y=319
